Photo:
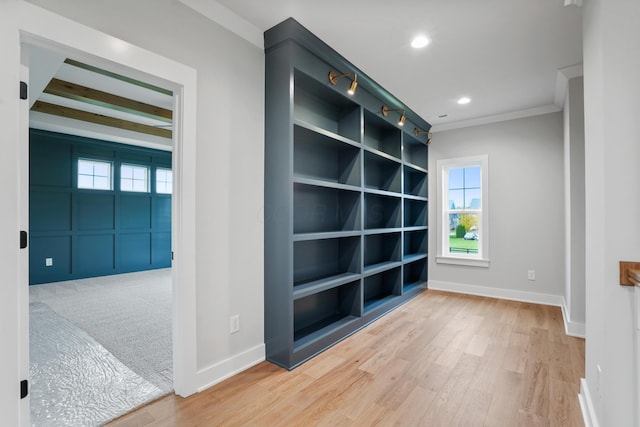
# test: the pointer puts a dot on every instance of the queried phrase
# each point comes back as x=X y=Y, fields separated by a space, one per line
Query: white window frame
x=94 y=161
x=481 y=259
x=164 y=182
x=146 y=180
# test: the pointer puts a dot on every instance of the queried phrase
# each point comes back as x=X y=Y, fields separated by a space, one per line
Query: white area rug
x=129 y=315
x=74 y=380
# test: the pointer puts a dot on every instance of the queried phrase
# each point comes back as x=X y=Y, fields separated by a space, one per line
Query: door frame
x=31 y=25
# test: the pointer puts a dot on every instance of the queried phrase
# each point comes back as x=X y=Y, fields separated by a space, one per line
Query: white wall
x=526 y=208
x=229 y=169
x=575 y=232
x=612 y=199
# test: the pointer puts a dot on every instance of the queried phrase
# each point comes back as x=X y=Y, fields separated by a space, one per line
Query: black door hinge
x=23 y=90
x=171 y=255
x=23 y=239
x=24 y=389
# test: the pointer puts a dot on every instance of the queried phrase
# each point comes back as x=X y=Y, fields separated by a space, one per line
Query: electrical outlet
x=531 y=275
x=234 y=324
x=48 y=262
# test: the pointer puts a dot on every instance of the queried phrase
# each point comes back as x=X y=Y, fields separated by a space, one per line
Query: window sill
x=470 y=262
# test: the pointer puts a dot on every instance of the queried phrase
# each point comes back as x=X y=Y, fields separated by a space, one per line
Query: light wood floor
x=442 y=359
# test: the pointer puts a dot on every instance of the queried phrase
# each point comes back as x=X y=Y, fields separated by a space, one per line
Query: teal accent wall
x=91 y=233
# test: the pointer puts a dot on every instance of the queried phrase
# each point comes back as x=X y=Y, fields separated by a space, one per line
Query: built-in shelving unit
x=346 y=200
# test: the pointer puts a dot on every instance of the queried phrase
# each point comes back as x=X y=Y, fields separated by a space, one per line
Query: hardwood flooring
x=442 y=359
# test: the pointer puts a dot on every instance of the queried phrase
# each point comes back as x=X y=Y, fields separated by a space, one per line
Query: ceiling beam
x=72 y=113
x=108 y=100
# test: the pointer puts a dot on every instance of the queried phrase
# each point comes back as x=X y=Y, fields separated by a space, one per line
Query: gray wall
x=612 y=204
x=575 y=231
x=526 y=195
x=229 y=172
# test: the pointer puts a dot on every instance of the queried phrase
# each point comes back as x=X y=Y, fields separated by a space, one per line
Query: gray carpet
x=128 y=314
x=74 y=380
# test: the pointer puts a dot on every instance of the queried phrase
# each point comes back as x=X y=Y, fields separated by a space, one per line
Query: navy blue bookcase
x=345 y=199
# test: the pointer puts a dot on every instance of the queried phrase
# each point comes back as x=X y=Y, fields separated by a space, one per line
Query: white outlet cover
x=48 y=262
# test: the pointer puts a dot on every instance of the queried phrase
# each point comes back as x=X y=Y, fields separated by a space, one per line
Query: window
x=134 y=178
x=94 y=174
x=463 y=211
x=164 y=181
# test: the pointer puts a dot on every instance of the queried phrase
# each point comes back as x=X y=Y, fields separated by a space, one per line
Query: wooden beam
x=72 y=113
x=108 y=100
x=117 y=76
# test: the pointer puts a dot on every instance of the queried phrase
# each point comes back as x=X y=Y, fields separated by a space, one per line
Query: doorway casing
x=22 y=25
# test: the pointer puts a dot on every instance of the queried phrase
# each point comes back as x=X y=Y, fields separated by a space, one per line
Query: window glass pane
x=139 y=186
x=472 y=177
x=139 y=173
x=101 y=183
x=85 y=181
x=464 y=233
x=164 y=179
x=456 y=199
x=126 y=185
x=126 y=172
x=85 y=168
x=472 y=198
x=456 y=178
x=102 y=169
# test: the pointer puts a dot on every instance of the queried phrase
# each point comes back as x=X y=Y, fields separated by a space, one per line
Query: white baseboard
x=509 y=294
x=586 y=405
x=573 y=329
x=227 y=368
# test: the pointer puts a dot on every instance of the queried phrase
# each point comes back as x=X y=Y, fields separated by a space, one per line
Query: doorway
x=51 y=32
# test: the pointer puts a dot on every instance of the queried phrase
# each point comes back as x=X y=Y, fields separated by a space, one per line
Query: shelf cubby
x=381 y=173
x=317 y=104
x=381 y=135
x=325 y=259
x=381 y=249
x=415 y=182
x=321 y=313
x=382 y=211
x=381 y=288
x=414 y=275
x=317 y=156
x=415 y=151
x=415 y=213
x=415 y=244
x=319 y=209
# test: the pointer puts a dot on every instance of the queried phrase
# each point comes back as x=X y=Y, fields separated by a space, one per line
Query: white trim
x=482 y=258
x=562 y=83
x=485 y=291
x=469 y=262
x=227 y=368
x=573 y=329
x=586 y=405
x=536 y=111
x=228 y=19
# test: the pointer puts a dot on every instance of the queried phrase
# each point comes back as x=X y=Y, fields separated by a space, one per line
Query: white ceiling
x=503 y=54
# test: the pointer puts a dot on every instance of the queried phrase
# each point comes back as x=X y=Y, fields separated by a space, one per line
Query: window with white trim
x=94 y=174
x=463 y=231
x=164 y=181
x=134 y=178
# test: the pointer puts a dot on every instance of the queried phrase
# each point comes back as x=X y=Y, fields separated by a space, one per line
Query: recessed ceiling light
x=420 y=42
x=464 y=100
